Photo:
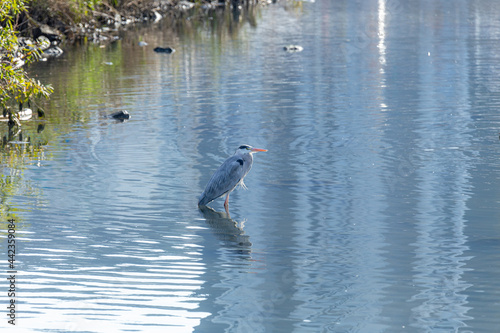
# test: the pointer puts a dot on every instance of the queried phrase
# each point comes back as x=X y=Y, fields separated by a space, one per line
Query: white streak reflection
x=381 y=32
x=443 y=190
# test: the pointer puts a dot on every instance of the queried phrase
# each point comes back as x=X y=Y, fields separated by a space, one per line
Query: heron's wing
x=225 y=178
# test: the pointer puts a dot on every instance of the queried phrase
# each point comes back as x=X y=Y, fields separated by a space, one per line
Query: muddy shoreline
x=56 y=26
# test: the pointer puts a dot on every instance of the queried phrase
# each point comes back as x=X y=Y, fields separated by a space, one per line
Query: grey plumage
x=229 y=175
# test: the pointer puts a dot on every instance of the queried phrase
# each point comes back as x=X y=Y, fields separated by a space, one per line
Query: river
x=375 y=209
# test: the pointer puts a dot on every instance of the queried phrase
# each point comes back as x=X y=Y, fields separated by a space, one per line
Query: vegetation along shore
x=34 y=30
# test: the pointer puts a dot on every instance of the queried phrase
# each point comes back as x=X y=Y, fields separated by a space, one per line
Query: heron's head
x=246 y=149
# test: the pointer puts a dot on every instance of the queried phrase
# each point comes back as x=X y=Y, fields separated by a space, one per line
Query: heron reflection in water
x=225 y=228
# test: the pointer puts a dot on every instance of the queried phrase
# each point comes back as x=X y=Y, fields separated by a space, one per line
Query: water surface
x=374 y=210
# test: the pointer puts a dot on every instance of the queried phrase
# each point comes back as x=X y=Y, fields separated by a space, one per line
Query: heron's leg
x=226 y=203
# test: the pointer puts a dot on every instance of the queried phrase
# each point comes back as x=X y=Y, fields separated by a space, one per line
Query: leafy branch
x=15 y=84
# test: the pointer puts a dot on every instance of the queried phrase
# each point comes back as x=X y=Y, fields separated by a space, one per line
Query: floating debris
x=293 y=48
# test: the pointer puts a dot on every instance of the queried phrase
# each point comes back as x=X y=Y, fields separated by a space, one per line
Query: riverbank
x=96 y=20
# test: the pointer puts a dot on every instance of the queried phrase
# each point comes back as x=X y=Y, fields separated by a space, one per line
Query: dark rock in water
x=120 y=115
x=293 y=48
x=164 y=50
x=40 y=128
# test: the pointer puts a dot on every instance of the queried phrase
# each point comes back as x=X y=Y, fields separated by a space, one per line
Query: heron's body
x=229 y=175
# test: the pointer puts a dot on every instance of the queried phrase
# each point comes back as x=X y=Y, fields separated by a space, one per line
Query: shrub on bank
x=15 y=84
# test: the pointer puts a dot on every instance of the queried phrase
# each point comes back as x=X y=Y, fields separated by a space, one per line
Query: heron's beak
x=258 y=149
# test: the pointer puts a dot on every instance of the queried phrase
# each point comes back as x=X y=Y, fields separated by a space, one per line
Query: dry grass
x=65 y=15
x=78 y=18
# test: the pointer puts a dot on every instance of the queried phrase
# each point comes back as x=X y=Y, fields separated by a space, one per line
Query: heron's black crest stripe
x=240 y=161
x=244 y=147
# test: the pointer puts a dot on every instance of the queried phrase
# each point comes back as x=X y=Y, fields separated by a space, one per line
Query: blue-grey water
x=376 y=208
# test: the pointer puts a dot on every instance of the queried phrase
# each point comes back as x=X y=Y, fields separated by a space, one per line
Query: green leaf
x=15 y=84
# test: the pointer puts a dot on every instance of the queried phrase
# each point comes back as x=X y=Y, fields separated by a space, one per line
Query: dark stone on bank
x=164 y=50
x=53 y=35
x=52 y=52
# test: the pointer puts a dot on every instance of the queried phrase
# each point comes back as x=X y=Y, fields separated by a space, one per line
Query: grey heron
x=229 y=175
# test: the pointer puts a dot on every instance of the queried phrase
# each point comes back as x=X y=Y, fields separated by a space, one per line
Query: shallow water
x=374 y=210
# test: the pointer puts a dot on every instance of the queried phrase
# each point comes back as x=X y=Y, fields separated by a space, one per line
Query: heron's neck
x=247 y=156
